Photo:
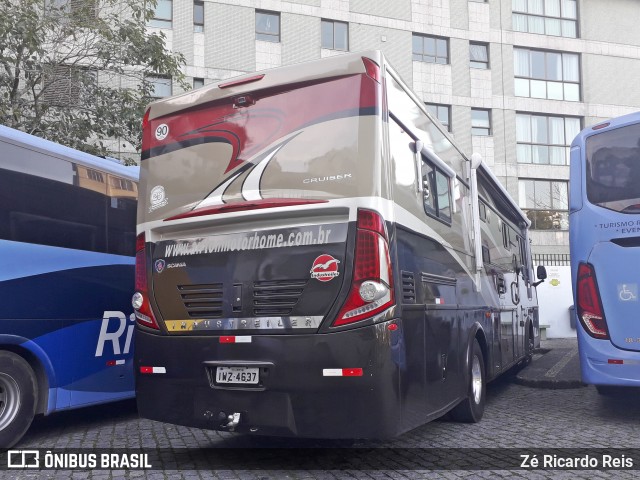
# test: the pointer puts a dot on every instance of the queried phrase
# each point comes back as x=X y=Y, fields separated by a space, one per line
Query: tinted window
x=48 y=201
x=121 y=216
x=437 y=191
x=69 y=212
x=613 y=169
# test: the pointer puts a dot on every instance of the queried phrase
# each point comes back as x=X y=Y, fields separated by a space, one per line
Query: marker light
x=590 y=312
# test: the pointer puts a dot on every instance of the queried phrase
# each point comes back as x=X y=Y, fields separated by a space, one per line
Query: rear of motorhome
x=316 y=258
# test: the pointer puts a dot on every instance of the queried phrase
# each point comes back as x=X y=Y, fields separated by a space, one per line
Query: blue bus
x=604 y=227
x=67 y=245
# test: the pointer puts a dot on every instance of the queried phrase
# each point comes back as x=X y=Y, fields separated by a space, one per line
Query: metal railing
x=551 y=259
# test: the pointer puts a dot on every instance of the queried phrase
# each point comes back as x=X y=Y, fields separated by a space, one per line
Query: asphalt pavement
x=555 y=365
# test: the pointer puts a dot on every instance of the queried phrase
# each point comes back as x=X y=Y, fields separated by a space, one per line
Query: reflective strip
x=342 y=372
x=236 y=339
x=153 y=370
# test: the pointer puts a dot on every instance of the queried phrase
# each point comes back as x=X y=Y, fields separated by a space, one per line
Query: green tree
x=77 y=71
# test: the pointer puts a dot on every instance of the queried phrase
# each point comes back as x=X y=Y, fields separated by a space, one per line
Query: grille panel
x=408 y=287
x=203 y=300
x=276 y=298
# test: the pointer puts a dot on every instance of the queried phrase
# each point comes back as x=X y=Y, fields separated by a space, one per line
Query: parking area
x=516 y=416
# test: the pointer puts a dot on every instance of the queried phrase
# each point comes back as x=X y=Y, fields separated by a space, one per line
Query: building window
x=95 y=175
x=268 y=26
x=479 y=55
x=441 y=112
x=551 y=75
x=162 y=14
x=545 y=202
x=161 y=87
x=335 y=35
x=121 y=183
x=198 y=83
x=543 y=139
x=430 y=49
x=198 y=16
x=480 y=122
x=546 y=17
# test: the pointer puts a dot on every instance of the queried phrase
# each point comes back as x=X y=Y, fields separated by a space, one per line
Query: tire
x=609 y=390
x=471 y=409
x=528 y=345
x=18 y=398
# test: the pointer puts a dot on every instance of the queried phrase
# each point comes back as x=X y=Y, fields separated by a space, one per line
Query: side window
x=121 y=215
x=505 y=236
x=53 y=202
x=436 y=192
x=482 y=211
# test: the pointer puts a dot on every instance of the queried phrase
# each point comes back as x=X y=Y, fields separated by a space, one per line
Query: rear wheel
x=18 y=393
x=529 y=346
x=471 y=409
x=609 y=390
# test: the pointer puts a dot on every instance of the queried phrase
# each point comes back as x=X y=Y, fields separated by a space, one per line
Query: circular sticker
x=325 y=268
x=162 y=131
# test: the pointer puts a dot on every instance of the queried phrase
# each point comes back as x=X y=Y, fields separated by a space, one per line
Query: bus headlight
x=137 y=300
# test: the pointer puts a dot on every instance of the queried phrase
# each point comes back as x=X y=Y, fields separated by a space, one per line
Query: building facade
x=514 y=80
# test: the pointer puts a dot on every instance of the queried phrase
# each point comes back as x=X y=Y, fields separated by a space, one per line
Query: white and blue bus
x=67 y=240
x=604 y=227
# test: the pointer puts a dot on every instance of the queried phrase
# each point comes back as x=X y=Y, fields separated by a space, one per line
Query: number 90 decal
x=162 y=131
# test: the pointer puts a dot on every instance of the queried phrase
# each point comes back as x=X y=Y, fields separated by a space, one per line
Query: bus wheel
x=609 y=390
x=470 y=410
x=18 y=393
x=529 y=346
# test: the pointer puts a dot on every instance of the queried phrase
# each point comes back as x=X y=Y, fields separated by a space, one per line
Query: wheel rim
x=476 y=379
x=9 y=400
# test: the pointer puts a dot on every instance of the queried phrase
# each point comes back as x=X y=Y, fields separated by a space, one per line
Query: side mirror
x=541 y=273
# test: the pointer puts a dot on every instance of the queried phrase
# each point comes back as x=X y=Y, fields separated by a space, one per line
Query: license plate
x=240 y=375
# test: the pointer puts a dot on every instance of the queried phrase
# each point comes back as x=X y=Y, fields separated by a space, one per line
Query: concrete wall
x=554 y=299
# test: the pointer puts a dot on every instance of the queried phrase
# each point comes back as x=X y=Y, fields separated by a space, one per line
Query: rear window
x=613 y=169
x=317 y=141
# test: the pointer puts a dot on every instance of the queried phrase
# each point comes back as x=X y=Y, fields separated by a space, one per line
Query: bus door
x=508 y=289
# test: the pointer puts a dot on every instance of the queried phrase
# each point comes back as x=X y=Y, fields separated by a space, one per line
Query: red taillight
x=371 y=268
x=590 y=312
x=372 y=69
x=144 y=315
x=146 y=131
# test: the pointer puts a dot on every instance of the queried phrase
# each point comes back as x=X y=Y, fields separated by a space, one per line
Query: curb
x=549 y=383
x=535 y=375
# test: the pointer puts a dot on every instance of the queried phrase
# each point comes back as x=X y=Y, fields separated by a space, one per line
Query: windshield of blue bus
x=613 y=169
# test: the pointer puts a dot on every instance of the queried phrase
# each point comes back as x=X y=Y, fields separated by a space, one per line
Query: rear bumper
x=295 y=398
x=595 y=366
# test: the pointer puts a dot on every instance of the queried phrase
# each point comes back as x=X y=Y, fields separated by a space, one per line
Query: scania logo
x=325 y=268
x=159 y=264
